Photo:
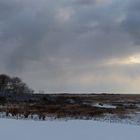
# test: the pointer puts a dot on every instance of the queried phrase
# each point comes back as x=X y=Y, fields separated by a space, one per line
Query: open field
x=71 y=130
x=75 y=106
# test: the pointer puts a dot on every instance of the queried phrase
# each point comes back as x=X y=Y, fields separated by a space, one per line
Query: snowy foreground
x=11 y=129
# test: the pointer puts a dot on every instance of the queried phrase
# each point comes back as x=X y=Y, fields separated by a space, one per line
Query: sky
x=77 y=46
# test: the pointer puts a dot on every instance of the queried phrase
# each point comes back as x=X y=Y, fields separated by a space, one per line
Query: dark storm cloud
x=79 y=37
x=132 y=21
x=7 y=8
x=58 y=40
x=26 y=27
x=83 y=2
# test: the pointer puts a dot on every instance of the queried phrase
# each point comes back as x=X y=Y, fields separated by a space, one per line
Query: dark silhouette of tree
x=4 y=82
x=13 y=85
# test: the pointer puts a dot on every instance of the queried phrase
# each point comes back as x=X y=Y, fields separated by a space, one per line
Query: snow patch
x=100 y=105
x=62 y=130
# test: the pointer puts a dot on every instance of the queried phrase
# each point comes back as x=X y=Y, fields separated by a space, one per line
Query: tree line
x=13 y=85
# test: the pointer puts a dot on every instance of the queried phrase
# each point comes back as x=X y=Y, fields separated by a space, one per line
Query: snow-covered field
x=11 y=129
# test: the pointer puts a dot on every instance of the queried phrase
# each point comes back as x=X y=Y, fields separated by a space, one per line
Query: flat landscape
x=71 y=130
x=123 y=108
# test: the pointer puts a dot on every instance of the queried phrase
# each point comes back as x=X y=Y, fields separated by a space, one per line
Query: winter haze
x=72 y=45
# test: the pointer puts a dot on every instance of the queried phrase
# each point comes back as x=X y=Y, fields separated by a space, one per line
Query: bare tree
x=4 y=82
x=14 y=85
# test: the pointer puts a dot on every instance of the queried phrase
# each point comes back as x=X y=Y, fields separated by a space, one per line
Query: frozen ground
x=61 y=130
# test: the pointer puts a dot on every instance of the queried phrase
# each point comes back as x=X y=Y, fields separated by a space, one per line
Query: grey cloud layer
x=132 y=21
x=56 y=40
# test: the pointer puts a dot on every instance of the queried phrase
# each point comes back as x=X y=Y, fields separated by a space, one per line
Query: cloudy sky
x=72 y=45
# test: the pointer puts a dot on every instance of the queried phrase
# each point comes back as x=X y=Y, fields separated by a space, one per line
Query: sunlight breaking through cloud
x=130 y=60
